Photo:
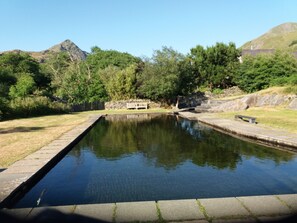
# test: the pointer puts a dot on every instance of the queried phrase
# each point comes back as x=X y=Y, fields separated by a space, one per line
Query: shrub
x=4 y=109
x=29 y=106
x=217 y=91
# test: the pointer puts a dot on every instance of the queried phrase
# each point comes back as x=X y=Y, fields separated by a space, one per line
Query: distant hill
x=283 y=36
x=66 y=46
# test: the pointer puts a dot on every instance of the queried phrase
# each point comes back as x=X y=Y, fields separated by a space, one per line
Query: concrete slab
x=290 y=200
x=28 y=162
x=100 y=212
x=180 y=210
x=17 y=213
x=265 y=205
x=9 y=182
x=136 y=211
x=38 y=156
x=51 y=214
x=224 y=208
x=242 y=220
x=24 y=169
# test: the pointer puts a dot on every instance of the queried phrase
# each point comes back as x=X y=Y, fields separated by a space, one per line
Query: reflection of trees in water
x=168 y=141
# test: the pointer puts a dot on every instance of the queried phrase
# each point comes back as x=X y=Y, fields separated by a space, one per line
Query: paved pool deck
x=19 y=176
x=280 y=208
x=258 y=133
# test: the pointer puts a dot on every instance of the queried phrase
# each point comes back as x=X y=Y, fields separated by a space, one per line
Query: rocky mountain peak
x=68 y=46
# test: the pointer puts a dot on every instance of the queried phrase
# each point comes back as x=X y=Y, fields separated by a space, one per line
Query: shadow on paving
x=48 y=216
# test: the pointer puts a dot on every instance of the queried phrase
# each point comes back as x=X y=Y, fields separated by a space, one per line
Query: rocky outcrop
x=68 y=46
x=293 y=104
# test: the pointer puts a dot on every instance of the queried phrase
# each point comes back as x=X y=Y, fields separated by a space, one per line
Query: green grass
x=278 y=118
x=275 y=39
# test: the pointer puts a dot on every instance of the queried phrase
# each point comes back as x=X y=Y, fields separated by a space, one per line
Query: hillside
x=66 y=46
x=279 y=37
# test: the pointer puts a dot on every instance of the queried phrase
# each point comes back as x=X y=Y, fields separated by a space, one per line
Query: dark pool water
x=153 y=157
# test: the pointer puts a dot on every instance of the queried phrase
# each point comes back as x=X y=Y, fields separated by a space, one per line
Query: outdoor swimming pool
x=161 y=157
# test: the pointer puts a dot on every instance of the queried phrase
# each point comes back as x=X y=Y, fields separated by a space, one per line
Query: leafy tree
x=80 y=85
x=101 y=59
x=18 y=63
x=261 y=71
x=119 y=84
x=25 y=85
x=164 y=76
x=6 y=80
x=187 y=78
x=56 y=66
x=215 y=66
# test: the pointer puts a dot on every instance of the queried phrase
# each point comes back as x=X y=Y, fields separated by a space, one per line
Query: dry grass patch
x=21 y=137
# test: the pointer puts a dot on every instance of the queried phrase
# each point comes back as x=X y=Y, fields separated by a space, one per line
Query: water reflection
x=168 y=141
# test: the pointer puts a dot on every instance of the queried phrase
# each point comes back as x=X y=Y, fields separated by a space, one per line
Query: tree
x=80 y=85
x=56 y=66
x=215 y=66
x=100 y=59
x=18 y=63
x=119 y=84
x=264 y=70
x=165 y=75
x=25 y=85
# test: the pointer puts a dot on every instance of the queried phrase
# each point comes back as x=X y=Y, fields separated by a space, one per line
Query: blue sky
x=138 y=26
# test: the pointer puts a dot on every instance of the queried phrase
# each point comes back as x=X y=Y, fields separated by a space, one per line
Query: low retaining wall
x=122 y=104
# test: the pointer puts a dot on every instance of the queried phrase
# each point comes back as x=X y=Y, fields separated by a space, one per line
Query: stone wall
x=257 y=100
x=192 y=100
x=122 y=104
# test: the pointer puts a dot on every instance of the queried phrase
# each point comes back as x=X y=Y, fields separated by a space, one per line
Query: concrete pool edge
x=240 y=209
x=18 y=177
x=209 y=210
x=271 y=137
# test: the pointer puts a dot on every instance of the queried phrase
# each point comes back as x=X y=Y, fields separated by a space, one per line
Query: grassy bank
x=278 y=118
x=21 y=137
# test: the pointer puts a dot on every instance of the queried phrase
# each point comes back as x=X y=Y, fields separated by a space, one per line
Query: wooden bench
x=249 y=118
x=137 y=105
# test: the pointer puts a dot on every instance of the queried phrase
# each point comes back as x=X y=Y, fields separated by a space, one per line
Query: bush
x=282 y=81
x=4 y=109
x=262 y=71
x=217 y=91
x=29 y=106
